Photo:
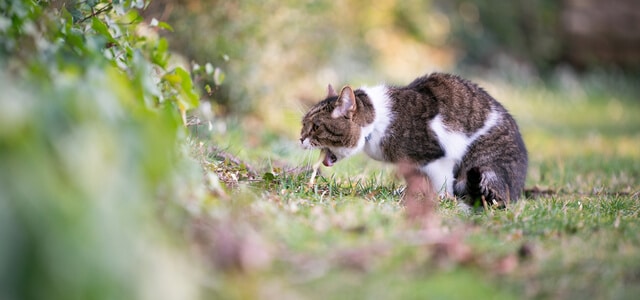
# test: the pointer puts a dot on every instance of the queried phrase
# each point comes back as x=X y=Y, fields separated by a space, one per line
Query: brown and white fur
x=449 y=128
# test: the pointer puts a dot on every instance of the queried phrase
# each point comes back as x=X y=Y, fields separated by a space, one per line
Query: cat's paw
x=491 y=190
x=492 y=198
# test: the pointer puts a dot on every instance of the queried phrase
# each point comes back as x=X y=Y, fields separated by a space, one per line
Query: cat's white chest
x=372 y=146
x=376 y=131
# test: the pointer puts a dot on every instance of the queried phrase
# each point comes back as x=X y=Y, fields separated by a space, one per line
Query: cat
x=449 y=128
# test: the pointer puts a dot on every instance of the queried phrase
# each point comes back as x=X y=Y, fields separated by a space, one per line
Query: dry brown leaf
x=231 y=246
x=419 y=197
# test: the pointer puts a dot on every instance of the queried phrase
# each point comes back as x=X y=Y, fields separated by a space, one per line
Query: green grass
x=348 y=238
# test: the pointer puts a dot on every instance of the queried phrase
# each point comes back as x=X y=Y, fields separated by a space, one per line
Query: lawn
x=575 y=235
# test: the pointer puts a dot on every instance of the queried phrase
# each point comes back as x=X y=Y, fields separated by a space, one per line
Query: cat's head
x=334 y=125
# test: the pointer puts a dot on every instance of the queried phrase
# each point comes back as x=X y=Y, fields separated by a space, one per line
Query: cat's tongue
x=329 y=158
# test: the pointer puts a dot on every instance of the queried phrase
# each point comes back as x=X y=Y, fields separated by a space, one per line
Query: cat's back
x=462 y=105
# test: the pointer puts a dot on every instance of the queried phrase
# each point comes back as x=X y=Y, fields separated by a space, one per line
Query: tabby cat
x=450 y=129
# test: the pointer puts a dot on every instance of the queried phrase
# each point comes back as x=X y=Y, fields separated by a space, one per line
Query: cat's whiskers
x=300 y=108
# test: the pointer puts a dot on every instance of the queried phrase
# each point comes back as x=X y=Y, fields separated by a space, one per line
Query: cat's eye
x=314 y=127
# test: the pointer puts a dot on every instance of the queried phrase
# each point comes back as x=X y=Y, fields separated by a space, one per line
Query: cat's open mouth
x=329 y=158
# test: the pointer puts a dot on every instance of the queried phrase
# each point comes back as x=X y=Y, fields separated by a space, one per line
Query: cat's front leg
x=440 y=172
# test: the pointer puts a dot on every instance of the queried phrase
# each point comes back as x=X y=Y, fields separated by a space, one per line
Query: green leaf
x=75 y=39
x=171 y=78
x=66 y=15
x=160 y=54
x=181 y=81
x=102 y=29
x=75 y=12
x=165 y=26
x=187 y=92
x=268 y=176
x=132 y=17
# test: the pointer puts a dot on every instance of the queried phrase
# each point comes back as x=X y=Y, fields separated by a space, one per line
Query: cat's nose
x=305 y=143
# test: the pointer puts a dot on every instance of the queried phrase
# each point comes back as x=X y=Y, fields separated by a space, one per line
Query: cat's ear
x=346 y=104
x=331 y=92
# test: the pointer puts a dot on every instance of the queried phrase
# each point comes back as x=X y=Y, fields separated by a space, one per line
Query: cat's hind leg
x=486 y=187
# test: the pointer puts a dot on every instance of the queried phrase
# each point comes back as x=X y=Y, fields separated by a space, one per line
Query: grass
x=348 y=237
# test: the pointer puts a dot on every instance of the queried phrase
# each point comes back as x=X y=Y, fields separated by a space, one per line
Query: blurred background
x=280 y=55
x=102 y=189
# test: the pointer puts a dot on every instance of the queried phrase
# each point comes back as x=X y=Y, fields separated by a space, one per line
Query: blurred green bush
x=90 y=128
x=259 y=43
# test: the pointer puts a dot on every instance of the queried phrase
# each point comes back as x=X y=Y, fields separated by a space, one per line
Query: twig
x=97 y=12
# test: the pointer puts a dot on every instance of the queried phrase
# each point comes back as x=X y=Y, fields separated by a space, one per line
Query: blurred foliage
x=283 y=53
x=259 y=42
x=529 y=31
x=91 y=122
x=279 y=56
